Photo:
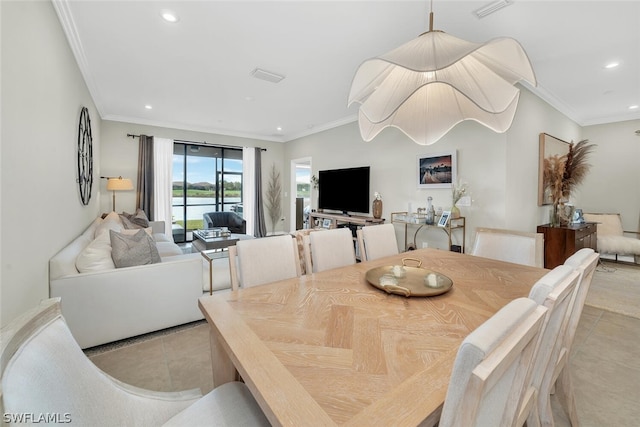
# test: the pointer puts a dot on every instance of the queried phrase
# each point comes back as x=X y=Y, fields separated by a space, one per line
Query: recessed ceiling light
x=634 y=107
x=612 y=65
x=148 y=107
x=279 y=128
x=169 y=16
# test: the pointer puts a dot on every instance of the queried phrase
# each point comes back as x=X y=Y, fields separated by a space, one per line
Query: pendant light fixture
x=428 y=85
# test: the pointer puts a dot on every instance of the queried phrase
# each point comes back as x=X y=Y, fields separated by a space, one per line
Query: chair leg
x=564 y=388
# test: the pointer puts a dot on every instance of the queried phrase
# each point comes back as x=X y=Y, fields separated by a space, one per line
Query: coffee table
x=211 y=244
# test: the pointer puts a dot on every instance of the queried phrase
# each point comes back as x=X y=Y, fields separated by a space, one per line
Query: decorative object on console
x=436 y=170
x=431 y=212
x=274 y=197
x=458 y=191
x=428 y=85
x=85 y=156
x=117 y=183
x=564 y=173
x=377 y=205
x=444 y=219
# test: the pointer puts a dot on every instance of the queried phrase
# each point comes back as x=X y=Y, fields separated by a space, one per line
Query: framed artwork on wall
x=549 y=146
x=436 y=170
x=444 y=219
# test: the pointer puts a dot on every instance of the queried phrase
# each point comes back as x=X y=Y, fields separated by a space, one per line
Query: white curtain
x=249 y=187
x=162 y=177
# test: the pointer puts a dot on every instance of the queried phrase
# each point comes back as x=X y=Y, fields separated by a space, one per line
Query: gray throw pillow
x=136 y=220
x=130 y=250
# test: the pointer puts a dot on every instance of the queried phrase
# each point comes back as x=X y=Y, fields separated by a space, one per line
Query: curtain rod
x=204 y=143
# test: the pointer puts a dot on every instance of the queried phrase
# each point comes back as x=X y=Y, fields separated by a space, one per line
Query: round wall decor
x=85 y=156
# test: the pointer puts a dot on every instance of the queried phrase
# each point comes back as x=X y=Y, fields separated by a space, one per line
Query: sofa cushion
x=129 y=250
x=167 y=249
x=96 y=256
x=110 y=222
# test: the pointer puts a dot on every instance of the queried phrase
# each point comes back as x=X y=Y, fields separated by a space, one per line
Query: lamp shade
x=428 y=85
x=118 y=184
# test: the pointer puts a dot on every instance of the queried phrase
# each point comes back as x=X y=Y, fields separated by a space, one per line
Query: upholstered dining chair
x=377 y=241
x=44 y=372
x=490 y=377
x=329 y=249
x=258 y=261
x=584 y=262
x=555 y=291
x=510 y=246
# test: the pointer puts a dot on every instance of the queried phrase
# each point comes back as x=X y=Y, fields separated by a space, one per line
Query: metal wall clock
x=85 y=156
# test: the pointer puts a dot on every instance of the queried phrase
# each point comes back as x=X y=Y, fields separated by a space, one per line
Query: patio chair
x=234 y=222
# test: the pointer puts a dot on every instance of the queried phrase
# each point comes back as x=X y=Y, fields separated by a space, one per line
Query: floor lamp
x=117 y=184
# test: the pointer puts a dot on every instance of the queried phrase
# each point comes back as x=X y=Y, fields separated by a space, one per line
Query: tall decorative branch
x=273 y=197
x=563 y=174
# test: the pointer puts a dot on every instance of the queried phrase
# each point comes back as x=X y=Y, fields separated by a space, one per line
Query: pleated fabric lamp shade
x=428 y=85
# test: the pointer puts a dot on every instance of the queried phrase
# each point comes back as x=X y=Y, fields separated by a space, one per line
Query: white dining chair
x=329 y=249
x=490 y=377
x=510 y=246
x=555 y=291
x=258 y=261
x=44 y=371
x=377 y=241
x=584 y=262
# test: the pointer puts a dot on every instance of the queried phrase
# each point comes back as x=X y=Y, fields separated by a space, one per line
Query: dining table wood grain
x=328 y=348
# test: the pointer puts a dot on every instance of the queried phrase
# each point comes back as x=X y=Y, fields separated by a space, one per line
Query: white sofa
x=117 y=303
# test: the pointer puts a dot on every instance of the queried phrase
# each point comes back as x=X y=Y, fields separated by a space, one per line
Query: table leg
x=223 y=369
x=210 y=276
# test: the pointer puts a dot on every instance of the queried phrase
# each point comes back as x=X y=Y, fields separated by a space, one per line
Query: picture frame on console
x=436 y=170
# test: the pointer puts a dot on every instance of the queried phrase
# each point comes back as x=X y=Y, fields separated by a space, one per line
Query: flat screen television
x=345 y=190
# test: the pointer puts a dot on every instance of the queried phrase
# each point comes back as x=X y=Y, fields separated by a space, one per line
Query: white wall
x=119 y=156
x=614 y=178
x=43 y=93
x=500 y=169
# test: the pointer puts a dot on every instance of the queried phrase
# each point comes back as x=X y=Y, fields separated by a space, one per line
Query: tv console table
x=337 y=219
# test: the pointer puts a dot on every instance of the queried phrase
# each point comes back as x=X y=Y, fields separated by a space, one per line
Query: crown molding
x=63 y=10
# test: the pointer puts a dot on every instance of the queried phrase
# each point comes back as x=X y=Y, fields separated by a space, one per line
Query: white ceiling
x=196 y=73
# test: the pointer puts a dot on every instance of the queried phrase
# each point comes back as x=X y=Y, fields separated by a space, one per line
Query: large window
x=205 y=179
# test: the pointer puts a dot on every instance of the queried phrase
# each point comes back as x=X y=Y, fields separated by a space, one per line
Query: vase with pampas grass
x=563 y=174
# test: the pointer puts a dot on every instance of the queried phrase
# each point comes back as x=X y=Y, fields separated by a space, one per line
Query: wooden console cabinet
x=562 y=242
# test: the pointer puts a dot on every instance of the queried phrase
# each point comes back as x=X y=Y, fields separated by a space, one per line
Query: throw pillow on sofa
x=110 y=222
x=129 y=250
x=136 y=220
x=96 y=256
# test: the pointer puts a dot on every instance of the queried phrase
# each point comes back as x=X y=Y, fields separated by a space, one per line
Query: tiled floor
x=605 y=366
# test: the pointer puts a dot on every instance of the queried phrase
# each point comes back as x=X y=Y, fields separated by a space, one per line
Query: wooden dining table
x=331 y=349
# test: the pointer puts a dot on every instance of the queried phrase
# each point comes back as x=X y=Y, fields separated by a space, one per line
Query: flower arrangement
x=377 y=196
x=564 y=173
x=458 y=192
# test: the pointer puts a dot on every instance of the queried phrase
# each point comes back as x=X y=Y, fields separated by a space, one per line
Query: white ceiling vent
x=494 y=6
x=267 y=75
